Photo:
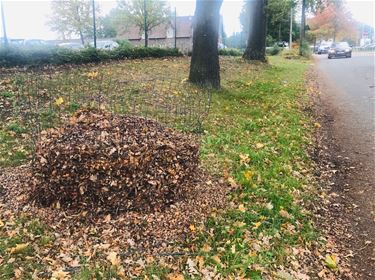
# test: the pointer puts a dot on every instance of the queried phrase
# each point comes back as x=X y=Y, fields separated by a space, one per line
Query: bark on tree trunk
x=81 y=36
x=256 y=42
x=204 y=65
x=302 y=31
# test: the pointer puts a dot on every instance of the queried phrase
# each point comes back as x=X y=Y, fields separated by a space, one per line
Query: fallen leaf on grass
x=200 y=261
x=259 y=145
x=192 y=228
x=1 y=223
x=113 y=258
x=284 y=214
x=330 y=261
x=59 y=101
x=17 y=273
x=242 y=208
x=317 y=125
x=244 y=159
x=239 y=224
x=216 y=259
x=248 y=174
x=257 y=225
x=192 y=267
x=19 y=248
x=206 y=248
x=175 y=276
x=60 y=275
x=232 y=182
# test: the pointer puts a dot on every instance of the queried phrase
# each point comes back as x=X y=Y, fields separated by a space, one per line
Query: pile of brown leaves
x=110 y=163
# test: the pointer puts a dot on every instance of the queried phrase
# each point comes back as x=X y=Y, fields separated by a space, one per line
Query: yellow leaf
x=253 y=254
x=239 y=224
x=59 y=101
x=113 y=258
x=175 y=276
x=216 y=259
x=19 y=248
x=242 y=208
x=331 y=261
x=60 y=275
x=92 y=75
x=1 y=223
x=317 y=125
x=206 y=248
x=259 y=145
x=284 y=214
x=232 y=182
x=244 y=159
x=192 y=228
x=200 y=261
x=17 y=273
x=257 y=225
x=248 y=174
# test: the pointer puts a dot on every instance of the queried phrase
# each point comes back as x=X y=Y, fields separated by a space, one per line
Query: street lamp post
x=291 y=28
x=4 y=27
x=175 y=28
x=94 y=22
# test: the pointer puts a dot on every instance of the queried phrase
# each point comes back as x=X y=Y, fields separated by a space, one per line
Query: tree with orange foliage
x=333 y=22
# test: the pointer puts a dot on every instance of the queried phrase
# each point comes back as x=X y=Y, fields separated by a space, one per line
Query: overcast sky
x=27 y=18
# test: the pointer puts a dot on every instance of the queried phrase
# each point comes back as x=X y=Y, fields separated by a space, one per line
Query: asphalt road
x=353 y=80
x=348 y=92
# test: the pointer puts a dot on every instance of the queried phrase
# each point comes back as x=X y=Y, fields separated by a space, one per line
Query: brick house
x=163 y=35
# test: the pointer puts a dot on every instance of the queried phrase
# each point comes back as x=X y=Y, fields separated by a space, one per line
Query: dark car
x=341 y=49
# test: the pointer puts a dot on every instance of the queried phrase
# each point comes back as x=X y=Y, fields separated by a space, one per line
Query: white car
x=72 y=46
x=105 y=45
x=324 y=47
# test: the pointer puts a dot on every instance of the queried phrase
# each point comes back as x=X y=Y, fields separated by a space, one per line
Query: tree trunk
x=302 y=31
x=256 y=42
x=204 y=66
x=145 y=23
x=81 y=36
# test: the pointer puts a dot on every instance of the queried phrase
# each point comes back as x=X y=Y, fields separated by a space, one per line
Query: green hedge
x=16 y=56
x=230 y=52
x=274 y=50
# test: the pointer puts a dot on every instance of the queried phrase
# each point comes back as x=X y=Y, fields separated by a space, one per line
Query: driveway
x=348 y=95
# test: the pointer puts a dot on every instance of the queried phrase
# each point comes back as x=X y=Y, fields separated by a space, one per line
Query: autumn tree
x=257 y=31
x=71 y=17
x=144 y=14
x=204 y=66
x=334 y=22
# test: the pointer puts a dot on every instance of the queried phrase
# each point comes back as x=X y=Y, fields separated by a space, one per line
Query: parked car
x=282 y=44
x=34 y=43
x=105 y=45
x=324 y=47
x=342 y=49
x=72 y=46
x=16 y=42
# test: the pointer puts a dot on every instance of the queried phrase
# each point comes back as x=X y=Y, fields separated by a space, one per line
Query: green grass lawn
x=256 y=137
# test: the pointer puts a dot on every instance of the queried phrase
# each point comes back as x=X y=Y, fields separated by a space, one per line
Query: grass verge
x=257 y=138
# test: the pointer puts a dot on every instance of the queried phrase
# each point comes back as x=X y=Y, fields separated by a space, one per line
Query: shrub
x=275 y=50
x=306 y=50
x=17 y=56
x=291 y=54
x=230 y=52
x=123 y=43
